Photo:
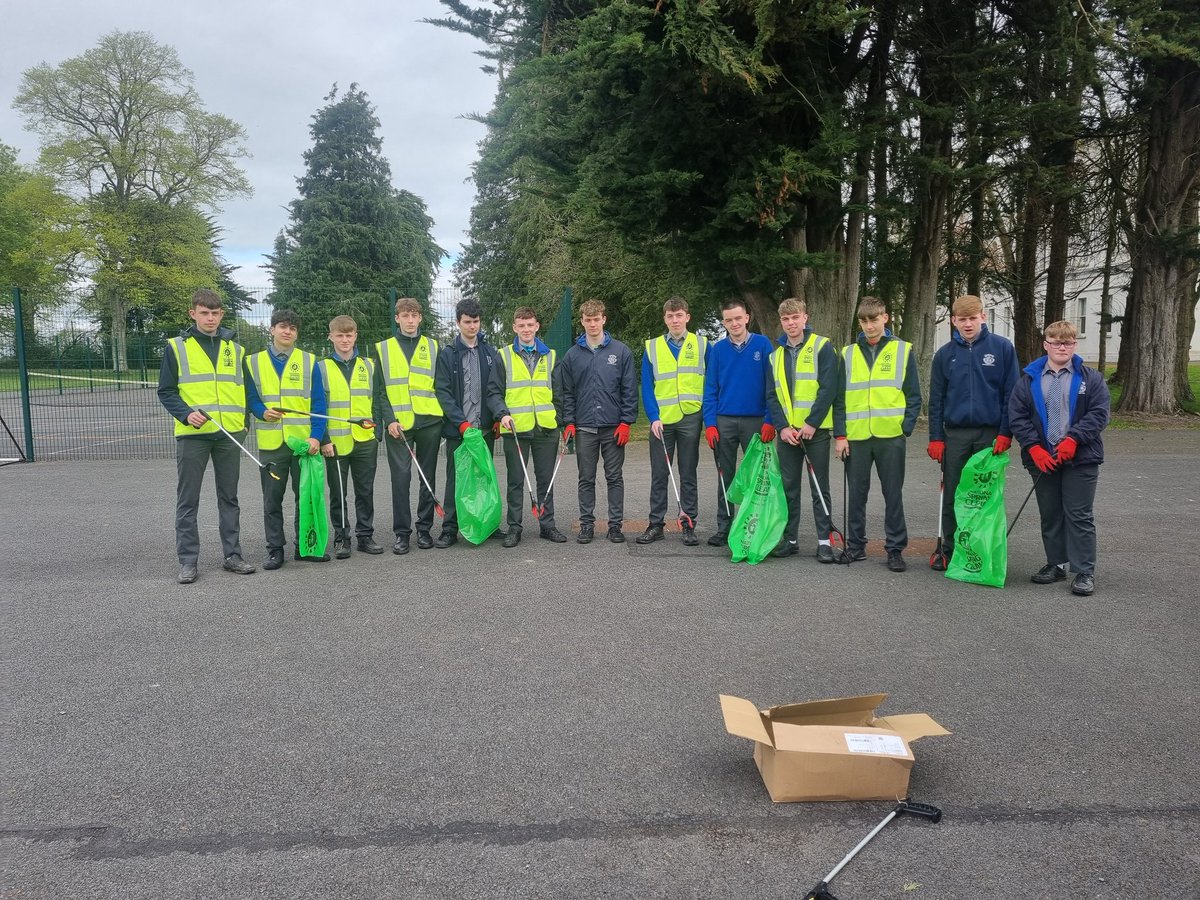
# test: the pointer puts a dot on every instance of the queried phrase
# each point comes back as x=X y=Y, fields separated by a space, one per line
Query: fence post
x=392 y=297
x=23 y=372
x=58 y=361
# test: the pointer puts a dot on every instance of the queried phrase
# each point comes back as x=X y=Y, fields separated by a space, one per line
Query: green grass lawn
x=1191 y=407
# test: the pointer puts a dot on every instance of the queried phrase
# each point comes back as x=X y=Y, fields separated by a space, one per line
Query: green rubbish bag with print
x=761 y=517
x=981 y=542
x=476 y=490
x=314 y=524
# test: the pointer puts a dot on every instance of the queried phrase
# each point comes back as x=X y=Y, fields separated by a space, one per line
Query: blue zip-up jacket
x=736 y=383
x=1089 y=412
x=649 y=401
x=970 y=384
x=320 y=402
x=598 y=388
x=828 y=394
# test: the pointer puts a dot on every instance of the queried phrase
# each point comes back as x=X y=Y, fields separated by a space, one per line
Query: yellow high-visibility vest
x=409 y=382
x=349 y=400
x=219 y=390
x=805 y=380
x=292 y=389
x=875 y=399
x=529 y=396
x=678 y=383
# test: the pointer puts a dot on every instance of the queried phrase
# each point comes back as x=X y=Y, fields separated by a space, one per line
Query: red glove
x=462 y=429
x=1042 y=458
x=1066 y=450
x=622 y=434
x=936 y=450
x=768 y=433
x=568 y=432
x=1001 y=445
x=710 y=435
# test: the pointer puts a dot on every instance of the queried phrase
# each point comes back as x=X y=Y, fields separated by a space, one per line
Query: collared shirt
x=1057 y=385
x=472 y=382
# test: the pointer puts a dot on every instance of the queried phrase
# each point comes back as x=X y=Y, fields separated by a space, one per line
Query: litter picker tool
x=924 y=810
x=836 y=539
x=533 y=504
x=361 y=423
x=562 y=451
x=1032 y=487
x=721 y=479
x=685 y=521
x=938 y=560
x=265 y=467
x=436 y=506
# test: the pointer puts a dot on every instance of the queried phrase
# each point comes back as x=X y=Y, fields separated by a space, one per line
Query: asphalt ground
x=544 y=722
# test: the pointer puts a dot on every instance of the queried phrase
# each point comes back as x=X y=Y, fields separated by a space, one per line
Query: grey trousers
x=734 y=432
x=887 y=456
x=424 y=442
x=795 y=478
x=538 y=448
x=191 y=459
x=450 y=522
x=360 y=465
x=961 y=445
x=588 y=449
x=1065 y=499
x=682 y=441
x=286 y=465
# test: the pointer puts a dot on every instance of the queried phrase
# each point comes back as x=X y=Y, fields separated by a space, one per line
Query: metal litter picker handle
x=821 y=891
x=265 y=467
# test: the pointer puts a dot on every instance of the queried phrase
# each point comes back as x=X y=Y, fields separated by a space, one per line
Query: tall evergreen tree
x=351 y=236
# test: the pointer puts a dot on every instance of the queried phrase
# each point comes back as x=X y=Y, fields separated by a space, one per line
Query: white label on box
x=881 y=744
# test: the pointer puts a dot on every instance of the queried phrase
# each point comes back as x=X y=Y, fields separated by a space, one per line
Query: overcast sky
x=268 y=65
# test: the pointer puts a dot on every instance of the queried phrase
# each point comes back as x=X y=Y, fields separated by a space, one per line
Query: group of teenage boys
x=861 y=401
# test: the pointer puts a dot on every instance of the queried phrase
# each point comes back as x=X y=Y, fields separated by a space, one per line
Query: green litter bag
x=476 y=491
x=981 y=543
x=761 y=517
x=314 y=525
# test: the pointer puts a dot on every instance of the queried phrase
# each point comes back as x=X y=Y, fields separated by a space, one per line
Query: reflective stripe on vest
x=678 y=383
x=293 y=390
x=875 y=401
x=529 y=396
x=219 y=390
x=348 y=400
x=804 y=379
x=409 y=382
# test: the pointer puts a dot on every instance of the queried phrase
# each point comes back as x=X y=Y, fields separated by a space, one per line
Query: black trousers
x=682 y=441
x=589 y=448
x=424 y=442
x=961 y=445
x=887 y=456
x=795 y=476
x=734 y=432
x=286 y=465
x=1065 y=501
x=360 y=465
x=539 y=448
x=450 y=522
x=191 y=459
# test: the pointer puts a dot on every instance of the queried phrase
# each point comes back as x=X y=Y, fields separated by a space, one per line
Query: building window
x=1081 y=322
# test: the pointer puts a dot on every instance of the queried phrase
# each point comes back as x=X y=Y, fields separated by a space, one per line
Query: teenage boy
x=972 y=377
x=672 y=394
x=470 y=389
x=599 y=400
x=284 y=376
x=351 y=451
x=202 y=369
x=736 y=383
x=409 y=410
x=804 y=369
x=529 y=400
x=882 y=392
x=1058 y=411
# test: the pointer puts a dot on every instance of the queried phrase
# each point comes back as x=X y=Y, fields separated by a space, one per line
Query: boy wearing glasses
x=971 y=380
x=1058 y=411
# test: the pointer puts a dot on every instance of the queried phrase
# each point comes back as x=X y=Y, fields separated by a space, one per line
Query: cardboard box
x=830 y=749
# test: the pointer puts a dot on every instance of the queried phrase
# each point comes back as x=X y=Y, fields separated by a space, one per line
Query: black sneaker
x=512 y=538
x=445 y=539
x=401 y=545
x=1049 y=574
x=1083 y=585
x=553 y=535
x=720 y=539
x=650 y=535
x=856 y=555
x=187 y=573
x=424 y=540
x=341 y=548
x=274 y=560
x=368 y=545
x=616 y=535
x=785 y=549
x=689 y=536
x=235 y=564
x=824 y=553
x=895 y=562
x=586 y=533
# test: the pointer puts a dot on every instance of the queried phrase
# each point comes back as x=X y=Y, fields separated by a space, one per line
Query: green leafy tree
x=351 y=236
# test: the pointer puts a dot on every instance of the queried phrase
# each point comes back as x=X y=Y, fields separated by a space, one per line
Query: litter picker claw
x=562 y=451
x=265 y=467
x=533 y=504
x=837 y=540
x=938 y=560
x=361 y=423
x=685 y=521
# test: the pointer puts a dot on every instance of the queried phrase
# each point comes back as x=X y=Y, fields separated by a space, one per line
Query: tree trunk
x=120 y=312
x=1187 y=306
x=1163 y=275
x=1026 y=335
